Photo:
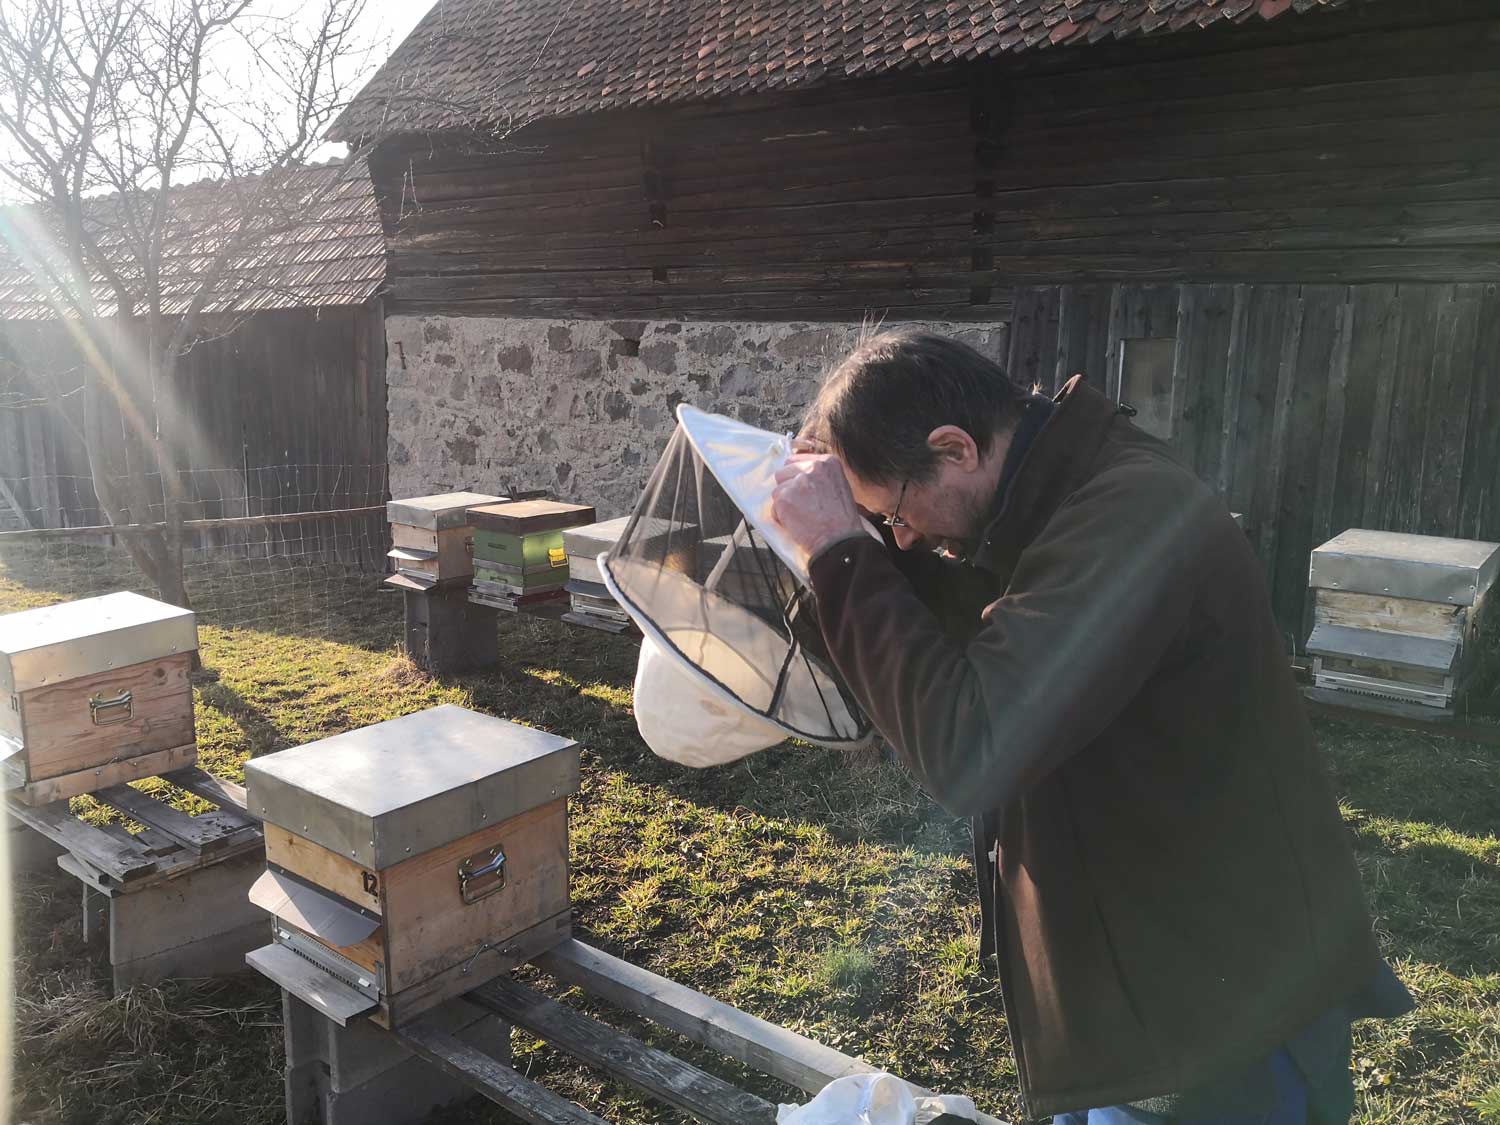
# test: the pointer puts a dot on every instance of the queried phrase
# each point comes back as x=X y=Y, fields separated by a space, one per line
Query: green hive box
x=521 y=552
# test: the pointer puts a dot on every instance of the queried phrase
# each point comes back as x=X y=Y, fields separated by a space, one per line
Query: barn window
x=1146 y=381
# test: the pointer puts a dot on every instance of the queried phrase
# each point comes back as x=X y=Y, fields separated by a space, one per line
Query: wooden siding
x=1311 y=408
x=288 y=415
x=1370 y=157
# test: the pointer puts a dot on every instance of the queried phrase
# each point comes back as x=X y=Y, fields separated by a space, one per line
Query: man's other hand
x=813 y=502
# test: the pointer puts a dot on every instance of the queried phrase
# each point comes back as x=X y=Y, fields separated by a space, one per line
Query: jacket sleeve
x=1093 y=607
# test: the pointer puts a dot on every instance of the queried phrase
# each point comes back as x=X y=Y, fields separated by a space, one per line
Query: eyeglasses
x=894 y=519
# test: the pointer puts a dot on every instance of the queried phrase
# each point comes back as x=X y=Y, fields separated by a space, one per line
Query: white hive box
x=95 y=692
x=431 y=540
x=417 y=858
x=1399 y=617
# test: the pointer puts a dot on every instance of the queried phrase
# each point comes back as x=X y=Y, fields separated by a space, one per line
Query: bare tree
x=109 y=110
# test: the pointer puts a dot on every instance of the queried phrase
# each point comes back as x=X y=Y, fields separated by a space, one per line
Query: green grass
x=817 y=890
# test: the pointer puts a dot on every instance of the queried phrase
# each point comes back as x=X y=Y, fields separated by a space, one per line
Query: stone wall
x=583 y=408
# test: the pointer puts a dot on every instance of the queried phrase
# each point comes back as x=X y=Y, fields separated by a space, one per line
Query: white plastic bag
x=872 y=1099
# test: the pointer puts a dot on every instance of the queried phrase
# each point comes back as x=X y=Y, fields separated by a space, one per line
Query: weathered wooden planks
x=654 y=1072
x=499 y=1083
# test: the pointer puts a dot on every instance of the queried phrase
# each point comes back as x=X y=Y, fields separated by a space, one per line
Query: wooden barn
x=1273 y=226
x=285 y=389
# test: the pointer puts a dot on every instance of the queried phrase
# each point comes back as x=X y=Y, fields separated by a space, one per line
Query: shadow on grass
x=260 y=730
x=1410 y=775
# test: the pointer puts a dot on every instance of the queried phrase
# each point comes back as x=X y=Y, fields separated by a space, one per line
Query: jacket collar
x=1057 y=462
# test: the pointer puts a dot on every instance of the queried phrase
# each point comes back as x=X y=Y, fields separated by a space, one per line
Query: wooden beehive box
x=519 y=555
x=431 y=540
x=1398 y=618
x=93 y=693
x=417 y=858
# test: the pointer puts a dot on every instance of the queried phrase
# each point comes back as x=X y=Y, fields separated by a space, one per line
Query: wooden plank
x=654 y=1072
x=1082 y=334
x=1479 y=498
x=86 y=781
x=487 y=961
x=1398 y=615
x=511 y=1091
x=1273 y=468
x=115 y=858
x=1234 y=382
x=430 y=928
x=1254 y=406
x=769 y=1048
x=207 y=833
x=62 y=737
x=773 y=1050
x=226 y=794
x=1310 y=350
x=1200 y=376
x=1033 y=337
x=1333 y=423
x=323 y=868
x=1446 y=437
x=1421 y=307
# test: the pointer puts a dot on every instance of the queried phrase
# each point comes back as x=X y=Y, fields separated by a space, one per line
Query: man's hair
x=876 y=408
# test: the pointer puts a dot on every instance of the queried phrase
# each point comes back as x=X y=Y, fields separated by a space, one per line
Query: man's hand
x=813 y=502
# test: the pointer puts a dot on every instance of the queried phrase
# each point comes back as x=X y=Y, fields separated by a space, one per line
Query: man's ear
x=953 y=446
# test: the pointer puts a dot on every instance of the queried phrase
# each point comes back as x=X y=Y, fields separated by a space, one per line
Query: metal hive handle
x=468 y=874
x=106 y=712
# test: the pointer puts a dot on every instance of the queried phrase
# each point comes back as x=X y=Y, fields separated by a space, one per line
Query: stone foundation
x=584 y=408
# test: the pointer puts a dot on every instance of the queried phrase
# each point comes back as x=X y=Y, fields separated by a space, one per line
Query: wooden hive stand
x=176 y=892
x=341 y=1067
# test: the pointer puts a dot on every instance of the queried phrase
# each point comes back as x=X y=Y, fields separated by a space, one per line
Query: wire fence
x=296 y=548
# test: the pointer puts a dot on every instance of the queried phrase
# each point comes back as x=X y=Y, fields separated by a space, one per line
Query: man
x=1091 y=670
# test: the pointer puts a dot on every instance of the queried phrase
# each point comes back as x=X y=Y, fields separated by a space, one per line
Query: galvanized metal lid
x=89 y=636
x=437 y=513
x=1419 y=567
x=394 y=790
x=592 y=538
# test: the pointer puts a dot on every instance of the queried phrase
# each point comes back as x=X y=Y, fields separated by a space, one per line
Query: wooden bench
x=176 y=892
x=342 y=1070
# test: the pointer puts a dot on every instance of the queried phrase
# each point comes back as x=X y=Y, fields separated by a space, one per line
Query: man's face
x=940 y=513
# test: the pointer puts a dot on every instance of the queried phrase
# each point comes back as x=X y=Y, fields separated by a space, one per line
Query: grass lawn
x=817 y=890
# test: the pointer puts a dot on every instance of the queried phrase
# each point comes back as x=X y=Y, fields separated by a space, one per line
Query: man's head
x=922 y=424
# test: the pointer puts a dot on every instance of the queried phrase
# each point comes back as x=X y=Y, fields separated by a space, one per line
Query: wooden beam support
x=499 y=1083
x=653 y=1072
x=769 y=1048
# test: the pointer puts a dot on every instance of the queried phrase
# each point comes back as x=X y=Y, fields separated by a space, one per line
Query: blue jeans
x=1290 y=1108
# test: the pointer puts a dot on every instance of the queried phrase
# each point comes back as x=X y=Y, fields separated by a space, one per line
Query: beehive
x=519 y=556
x=592 y=605
x=431 y=540
x=95 y=692
x=1398 y=618
x=417 y=858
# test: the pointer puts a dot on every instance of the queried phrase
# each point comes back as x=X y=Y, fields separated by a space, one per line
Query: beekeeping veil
x=729 y=660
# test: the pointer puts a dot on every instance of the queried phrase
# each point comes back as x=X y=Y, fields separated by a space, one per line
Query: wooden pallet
x=177 y=890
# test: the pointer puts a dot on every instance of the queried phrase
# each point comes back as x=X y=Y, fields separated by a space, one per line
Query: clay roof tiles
x=483 y=63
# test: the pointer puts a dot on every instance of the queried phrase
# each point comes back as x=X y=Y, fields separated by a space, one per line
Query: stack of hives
x=519 y=555
x=431 y=539
x=592 y=605
x=1398 y=619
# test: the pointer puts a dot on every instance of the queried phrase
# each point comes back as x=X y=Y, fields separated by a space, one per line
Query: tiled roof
x=315 y=241
x=479 y=63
